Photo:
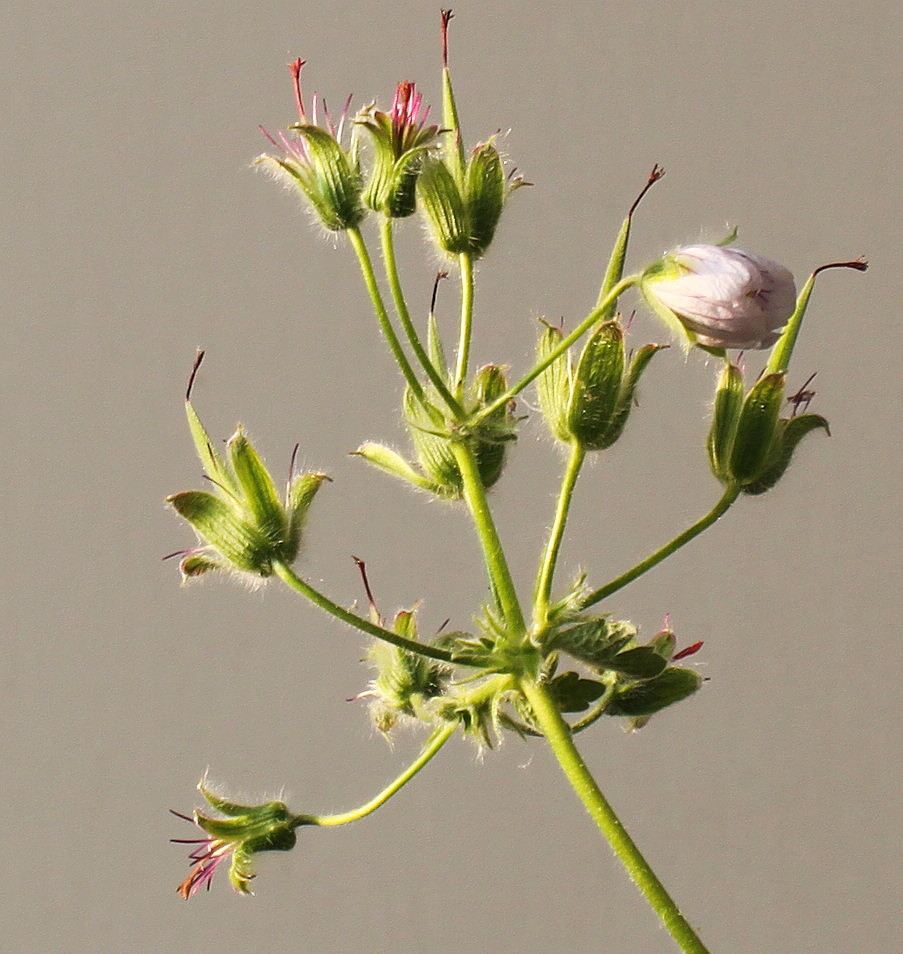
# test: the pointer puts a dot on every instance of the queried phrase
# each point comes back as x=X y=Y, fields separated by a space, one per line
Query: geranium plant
x=546 y=660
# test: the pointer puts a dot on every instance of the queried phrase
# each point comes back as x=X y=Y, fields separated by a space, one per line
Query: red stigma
x=295 y=70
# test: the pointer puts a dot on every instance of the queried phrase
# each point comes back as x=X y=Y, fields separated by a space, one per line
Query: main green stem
x=493 y=554
x=730 y=495
x=433 y=744
x=561 y=742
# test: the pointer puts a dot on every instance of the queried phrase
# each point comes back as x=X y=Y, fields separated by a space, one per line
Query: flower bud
x=721 y=297
x=315 y=162
x=245 y=831
x=401 y=138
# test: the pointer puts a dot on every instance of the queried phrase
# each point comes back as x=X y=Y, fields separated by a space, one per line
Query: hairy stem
x=560 y=740
x=432 y=746
x=493 y=553
x=546 y=574
x=292 y=580
x=433 y=373
x=363 y=256
x=730 y=495
x=465 y=260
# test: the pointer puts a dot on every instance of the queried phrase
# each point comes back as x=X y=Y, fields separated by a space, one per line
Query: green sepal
x=596 y=386
x=553 y=386
x=233 y=809
x=224 y=529
x=788 y=434
x=279 y=839
x=214 y=465
x=198 y=562
x=664 y=643
x=329 y=180
x=258 y=492
x=756 y=427
x=435 y=456
x=725 y=415
x=486 y=189
x=572 y=693
x=594 y=641
x=640 y=662
x=392 y=188
x=242 y=870
x=391 y=462
x=443 y=207
x=628 y=388
x=301 y=491
x=496 y=432
x=434 y=344
x=649 y=697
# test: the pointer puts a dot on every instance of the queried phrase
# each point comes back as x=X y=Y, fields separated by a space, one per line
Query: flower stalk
x=431 y=748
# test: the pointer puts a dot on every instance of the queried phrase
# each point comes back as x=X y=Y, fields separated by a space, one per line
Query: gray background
x=136 y=232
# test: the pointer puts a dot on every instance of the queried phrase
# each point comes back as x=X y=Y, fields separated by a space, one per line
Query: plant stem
x=493 y=554
x=363 y=256
x=465 y=261
x=388 y=247
x=597 y=314
x=291 y=579
x=550 y=557
x=433 y=744
x=730 y=495
x=558 y=735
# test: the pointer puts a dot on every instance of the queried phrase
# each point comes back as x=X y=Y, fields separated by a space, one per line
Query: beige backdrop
x=136 y=232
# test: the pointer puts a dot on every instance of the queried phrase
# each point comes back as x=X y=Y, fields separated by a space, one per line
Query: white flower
x=723 y=297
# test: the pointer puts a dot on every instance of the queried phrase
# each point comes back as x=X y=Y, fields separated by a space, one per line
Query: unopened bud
x=721 y=297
